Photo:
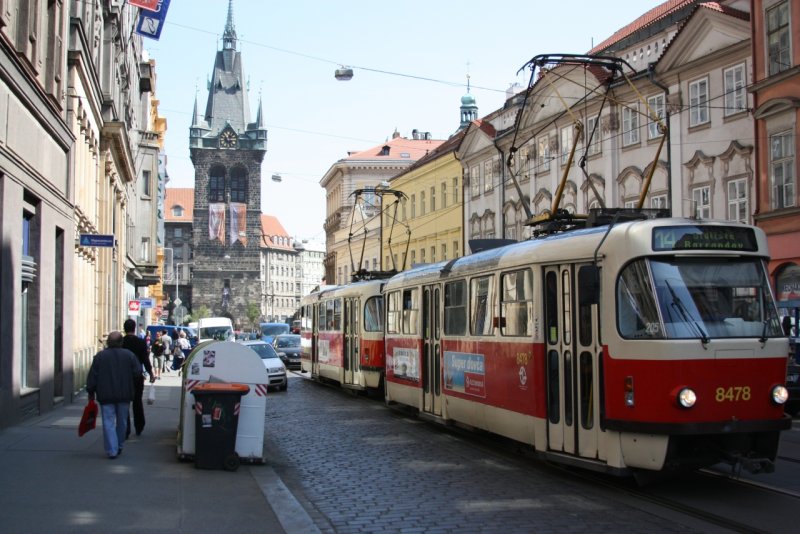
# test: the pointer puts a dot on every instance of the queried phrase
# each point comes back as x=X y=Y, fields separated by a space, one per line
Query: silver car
x=276 y=370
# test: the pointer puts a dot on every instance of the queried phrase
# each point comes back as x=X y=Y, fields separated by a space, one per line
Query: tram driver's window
x=455 y=308
x=515 y=306
x=373 y=314
x=637 y=315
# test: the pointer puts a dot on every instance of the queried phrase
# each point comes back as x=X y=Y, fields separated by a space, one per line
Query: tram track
x=704 y=500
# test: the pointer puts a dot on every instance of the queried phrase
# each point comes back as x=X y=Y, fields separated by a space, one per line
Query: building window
x=475 y=181
x=781 y=162
x=593 y=130
x=177 y=232
x=543 y=152
x=144 y=253
x=413 y=257
x=421 y=203
x=433 y=199
x=239 y=187
x=177 y=211
x=702 y=202
x=734 y=87
x=738 y=209
x=444 y=251
x=488 y=178
x=444 y=195
x=422 y=255
x=566 y=143
x=455 y=249
x=658 y=202
x=403 y=206
x=698 y=102
x=413 y=206
x=433 y=254
x=778 y=38
x=656 y=105
x=455 y=191
x=630 y=125
x=216 y=186
x=146 y=183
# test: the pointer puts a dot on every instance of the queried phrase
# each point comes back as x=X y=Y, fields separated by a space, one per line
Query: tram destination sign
x=704 y=238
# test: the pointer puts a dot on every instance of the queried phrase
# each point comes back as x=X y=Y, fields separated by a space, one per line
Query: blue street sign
x=145 y=303
x=97 y=240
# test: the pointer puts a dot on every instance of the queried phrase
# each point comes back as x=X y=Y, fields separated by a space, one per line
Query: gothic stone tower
x=227 y=151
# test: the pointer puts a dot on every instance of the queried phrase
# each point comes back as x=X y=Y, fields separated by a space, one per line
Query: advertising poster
x=465 y=373
x=324 y=350
x=405 y=364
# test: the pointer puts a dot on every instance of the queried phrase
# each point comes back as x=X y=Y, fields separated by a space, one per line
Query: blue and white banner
x=151 y=22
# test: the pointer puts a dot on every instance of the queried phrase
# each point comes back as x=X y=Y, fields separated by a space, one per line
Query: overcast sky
x=410 y=60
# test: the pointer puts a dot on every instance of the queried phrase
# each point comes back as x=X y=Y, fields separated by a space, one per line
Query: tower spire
x=229 y=36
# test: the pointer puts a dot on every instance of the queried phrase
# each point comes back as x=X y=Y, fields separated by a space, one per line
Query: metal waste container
x=216 y=421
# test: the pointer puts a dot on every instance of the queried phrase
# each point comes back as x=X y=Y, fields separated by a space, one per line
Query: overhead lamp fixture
x=344 y=74
x=277 y=177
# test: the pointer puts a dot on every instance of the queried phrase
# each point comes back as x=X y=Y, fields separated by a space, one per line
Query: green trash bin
x=216 y=421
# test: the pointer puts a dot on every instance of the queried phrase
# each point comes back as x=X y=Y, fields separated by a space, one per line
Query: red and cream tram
x=644 y=345
x=342 y=335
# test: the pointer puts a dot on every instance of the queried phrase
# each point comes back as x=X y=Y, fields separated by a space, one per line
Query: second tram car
x=342 y=335
x=645 y=345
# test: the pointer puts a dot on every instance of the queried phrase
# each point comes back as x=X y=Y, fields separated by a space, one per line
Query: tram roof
x=573 y=245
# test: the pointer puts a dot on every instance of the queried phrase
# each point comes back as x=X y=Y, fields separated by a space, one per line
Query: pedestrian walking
x=168 y=346
x=138 y=347
x=182 y=349
x=111 y=380
x=157 y=350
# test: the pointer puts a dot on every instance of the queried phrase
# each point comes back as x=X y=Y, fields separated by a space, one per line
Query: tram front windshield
x=695 y=298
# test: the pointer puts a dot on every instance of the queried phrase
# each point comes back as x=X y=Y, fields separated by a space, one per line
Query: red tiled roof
x=648 y=18
x=271 y=229
x=414 y=148
x=179 y=196
x=716 y=6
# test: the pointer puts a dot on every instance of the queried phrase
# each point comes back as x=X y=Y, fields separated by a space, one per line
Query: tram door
x=351 y=363
x=431 y=349
x=573 y=354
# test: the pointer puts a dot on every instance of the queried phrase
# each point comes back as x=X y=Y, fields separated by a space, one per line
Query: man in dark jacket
x=111 y=379
x=138 y=347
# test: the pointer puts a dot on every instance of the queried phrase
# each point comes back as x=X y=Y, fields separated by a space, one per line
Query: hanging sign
x=151 y=21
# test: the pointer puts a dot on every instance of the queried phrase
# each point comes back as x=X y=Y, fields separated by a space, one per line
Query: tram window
x=394 y=313
x=410 y=311
x=373 y=314
x=637 y=315
x=586 y=390
x=321 y=316
x=337 y=315
x=568 y=395
x=481 y=305
x=329 y=315
x=455 y=308
x=516 y=302
x=551 y=307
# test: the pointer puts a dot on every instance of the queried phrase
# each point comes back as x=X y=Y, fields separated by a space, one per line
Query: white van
x=218 y=328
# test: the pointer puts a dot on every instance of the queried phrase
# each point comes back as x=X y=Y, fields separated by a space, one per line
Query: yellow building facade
x=427 y=227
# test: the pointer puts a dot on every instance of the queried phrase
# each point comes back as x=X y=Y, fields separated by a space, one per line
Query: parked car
x=218 y=328
x=288 y=348
x=270 y=330
x=276 y=370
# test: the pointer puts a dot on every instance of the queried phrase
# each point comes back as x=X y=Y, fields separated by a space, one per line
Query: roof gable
x=179 y=196
x=710 y=29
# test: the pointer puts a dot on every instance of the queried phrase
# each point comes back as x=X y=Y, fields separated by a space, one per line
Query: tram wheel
x=231 y=462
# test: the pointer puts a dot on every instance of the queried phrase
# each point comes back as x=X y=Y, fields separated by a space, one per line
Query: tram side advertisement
x=465 y=373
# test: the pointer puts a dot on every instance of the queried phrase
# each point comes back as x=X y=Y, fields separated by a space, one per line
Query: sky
x=410 y=59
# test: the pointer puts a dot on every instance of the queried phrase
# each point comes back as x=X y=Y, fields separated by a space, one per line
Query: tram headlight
x=780 y=395
x=687 y=397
